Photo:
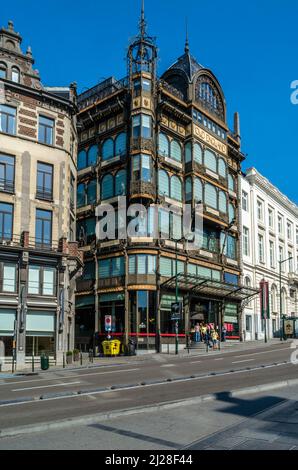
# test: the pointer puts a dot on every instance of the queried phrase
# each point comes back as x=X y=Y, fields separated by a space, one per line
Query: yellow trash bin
x=115 y=347
x=107 y=348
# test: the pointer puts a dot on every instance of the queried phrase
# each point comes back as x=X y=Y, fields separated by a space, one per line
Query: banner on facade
x=108 y=322
x=264 y=299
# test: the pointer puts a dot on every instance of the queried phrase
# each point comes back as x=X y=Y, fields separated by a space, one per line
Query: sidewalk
x=226 y=347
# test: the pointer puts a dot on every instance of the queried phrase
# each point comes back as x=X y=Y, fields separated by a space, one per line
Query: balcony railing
x=8 y=239
x=84 y=285
x=100 y=91
x=6 y=185
x=43 y=245
x=111 y=282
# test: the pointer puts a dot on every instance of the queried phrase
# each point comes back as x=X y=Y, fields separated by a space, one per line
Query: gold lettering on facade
x=210 y=140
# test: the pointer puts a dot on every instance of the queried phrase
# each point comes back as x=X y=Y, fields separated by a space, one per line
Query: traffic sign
x=108 y=322
x=176 y=311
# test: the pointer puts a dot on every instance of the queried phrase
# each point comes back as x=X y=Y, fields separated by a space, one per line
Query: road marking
x=195 y=362
x=244 y=360
x=262 y=352
x=219 y=359
x=101 y=392
x=168 y=365
x=65 y=377
x=45 y=386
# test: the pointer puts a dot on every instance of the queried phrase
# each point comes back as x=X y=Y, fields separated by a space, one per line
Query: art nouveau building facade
x=269 y=235
x=158 y=141
x=38 y=252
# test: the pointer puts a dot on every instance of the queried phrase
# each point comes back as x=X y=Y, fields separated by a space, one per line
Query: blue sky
x=251 y=46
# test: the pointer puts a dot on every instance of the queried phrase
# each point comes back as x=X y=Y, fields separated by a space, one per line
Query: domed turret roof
x=187 y=64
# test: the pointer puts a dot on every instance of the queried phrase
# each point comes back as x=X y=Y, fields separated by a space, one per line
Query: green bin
x=44 y=362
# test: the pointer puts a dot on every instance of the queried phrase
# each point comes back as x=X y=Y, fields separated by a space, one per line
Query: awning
x=209 y=288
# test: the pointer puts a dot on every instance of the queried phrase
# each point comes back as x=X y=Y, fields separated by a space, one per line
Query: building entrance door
x=145 y=318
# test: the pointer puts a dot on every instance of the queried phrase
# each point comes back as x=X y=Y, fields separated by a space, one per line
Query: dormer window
x=15 y=75
x=208 y=94
x=3 y=70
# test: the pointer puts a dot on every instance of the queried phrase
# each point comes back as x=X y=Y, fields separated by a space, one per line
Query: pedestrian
x=197 y=333
x=204 y=331
x=223 y=333
x=214 y=338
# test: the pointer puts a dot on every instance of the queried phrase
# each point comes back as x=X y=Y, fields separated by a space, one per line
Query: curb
x=88 y=420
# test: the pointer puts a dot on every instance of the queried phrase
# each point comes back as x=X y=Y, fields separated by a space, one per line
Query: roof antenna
x=186 y=39
x=143 y=21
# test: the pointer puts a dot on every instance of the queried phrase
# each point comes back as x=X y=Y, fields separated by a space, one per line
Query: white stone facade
x=269 y=233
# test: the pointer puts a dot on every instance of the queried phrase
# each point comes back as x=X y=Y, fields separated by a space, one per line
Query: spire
x=186 y=38
x=143 y=21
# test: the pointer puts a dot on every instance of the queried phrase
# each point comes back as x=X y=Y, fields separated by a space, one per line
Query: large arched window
x=81 y=200
x=198 y=153
x=222 y=168
x=92 y=155
x=163 y=183
x=3 y=70
x=120 y=183
x=208 y=94
x=108 y=149
x=231 y=212
x=198 y=191
x=210 y=160
x=107 y=187
x=120 y=144
x=187 y=150
x=15 y=75
x=176 y=152
x=188 y=189
x=231 y=183
x=176 y=188
x=91 y=191
x=82 y=160
x=163 y=144
x=222 y=202
x=210 y=196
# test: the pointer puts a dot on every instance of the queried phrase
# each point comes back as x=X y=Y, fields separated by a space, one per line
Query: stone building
x=270 y=235
x=39 y=256
x=164 y=141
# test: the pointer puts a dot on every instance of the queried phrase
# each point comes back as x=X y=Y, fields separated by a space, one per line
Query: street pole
x=280 y=304
x=176 y=324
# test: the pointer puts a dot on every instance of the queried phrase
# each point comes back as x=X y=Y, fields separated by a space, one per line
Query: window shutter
x=187 y=151
x=107 y=189
x=163 y=144
x=165 y=266
x=163 y=183
x=222 y=169
x=48 y=281
x=210 y=196
x=176 y=188
x=210 y=160
x=108 y=149
x=33 y=282
x=120 y=144
x=120 y=183
x=176 y=153
x=222 y=202
x=197 y=152
x=198 y=190
x=92 y=155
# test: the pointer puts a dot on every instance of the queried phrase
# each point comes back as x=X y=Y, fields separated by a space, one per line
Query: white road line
x=219 y=359
x=263 y=352
x=244 y=360
x=103 y=392
x=20 y=382
x=45 y=386
x=168 y=365
x=195 y=362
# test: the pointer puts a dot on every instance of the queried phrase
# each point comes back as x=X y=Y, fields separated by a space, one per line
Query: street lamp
x=281 y=319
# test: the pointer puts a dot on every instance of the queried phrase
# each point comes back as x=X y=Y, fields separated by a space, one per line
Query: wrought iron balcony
x=140 y=143
x=84 y=285
x=142 y=188
x=44 y=193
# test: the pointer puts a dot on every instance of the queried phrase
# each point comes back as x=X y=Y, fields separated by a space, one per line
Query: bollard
x=63 y=361
x=81 y=358
x=32 y=363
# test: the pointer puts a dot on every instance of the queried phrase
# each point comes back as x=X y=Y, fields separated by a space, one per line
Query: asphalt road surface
x=53 y=396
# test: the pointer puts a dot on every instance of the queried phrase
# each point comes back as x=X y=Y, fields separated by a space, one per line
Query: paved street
x=141 y=392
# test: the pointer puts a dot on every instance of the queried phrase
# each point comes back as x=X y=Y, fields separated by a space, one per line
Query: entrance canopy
x=209 y=288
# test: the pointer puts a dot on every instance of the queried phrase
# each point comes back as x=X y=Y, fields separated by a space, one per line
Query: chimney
x=237 y=127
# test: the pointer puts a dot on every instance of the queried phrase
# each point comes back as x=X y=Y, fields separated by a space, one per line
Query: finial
x=29 y=51
x=186 y=49
x=10 y=25
x=143 y=21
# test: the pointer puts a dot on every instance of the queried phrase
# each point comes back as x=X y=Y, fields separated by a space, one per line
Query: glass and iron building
x=162 y=141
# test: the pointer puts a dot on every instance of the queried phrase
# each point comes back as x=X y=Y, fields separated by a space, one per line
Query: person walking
x=214 y=338
x=223 y=333
x=197 y=333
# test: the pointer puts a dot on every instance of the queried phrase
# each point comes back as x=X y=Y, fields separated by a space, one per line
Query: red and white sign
x=108 y=322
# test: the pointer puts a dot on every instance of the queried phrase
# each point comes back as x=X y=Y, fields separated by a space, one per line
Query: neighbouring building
x=158 y=140
x=39 y=256
x=269 y=235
